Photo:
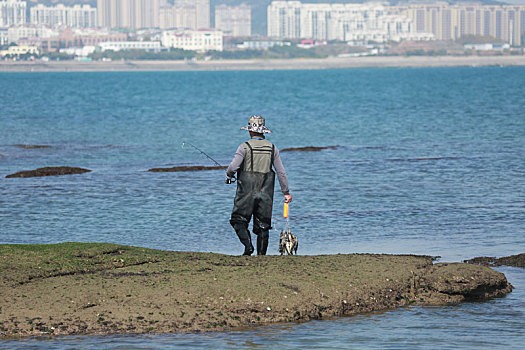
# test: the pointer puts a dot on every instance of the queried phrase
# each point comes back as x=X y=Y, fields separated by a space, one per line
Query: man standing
x=253 y=163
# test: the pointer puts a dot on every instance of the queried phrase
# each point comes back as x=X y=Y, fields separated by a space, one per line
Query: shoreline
x=98 y=288
x=267 y=64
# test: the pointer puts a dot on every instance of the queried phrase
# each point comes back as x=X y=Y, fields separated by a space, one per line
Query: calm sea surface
x=429 y=161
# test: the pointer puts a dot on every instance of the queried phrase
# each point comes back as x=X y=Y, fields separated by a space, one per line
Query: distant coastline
x=265 y=64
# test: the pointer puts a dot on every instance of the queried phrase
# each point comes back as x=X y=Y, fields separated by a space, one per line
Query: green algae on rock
x=95 y=288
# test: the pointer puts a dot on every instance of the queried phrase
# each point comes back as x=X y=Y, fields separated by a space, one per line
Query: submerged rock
x=49 y=171
x=308 y=149
x=512 y=260
x=187 y=168
x=32 y=146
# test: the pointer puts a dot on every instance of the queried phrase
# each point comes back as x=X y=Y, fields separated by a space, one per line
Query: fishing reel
x=230 y=180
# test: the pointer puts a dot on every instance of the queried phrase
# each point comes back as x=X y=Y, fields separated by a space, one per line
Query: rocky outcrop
x=32 y=146
x=49 y=171
x=308 y=149
x=512 y=260
x=187 y=168
x=446 y=283
x=94 y=288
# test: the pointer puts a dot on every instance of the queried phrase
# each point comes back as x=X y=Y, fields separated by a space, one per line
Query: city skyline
x=185 y=22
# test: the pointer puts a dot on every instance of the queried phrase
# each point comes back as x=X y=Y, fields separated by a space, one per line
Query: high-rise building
x=76 y=16
x=128 y=13
x=191 y=14
x=284 y=19
x=235 y=21
x=451 y=22
x=345 y=22
x=12 y=12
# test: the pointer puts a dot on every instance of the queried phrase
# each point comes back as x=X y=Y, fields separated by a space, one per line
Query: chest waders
x=254 y=197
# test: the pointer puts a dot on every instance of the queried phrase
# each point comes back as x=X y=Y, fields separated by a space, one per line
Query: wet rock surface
x=49 y=171
x=187 y=168
x=458 y=282
x=96 y=288
x=512 y=260
x=32 y=146
x=307 y=149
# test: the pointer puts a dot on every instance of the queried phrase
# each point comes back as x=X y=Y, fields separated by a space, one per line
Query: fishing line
x=205 y=154
x=201 y=151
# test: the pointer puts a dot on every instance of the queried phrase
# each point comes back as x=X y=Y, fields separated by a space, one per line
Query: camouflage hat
x=256 y=124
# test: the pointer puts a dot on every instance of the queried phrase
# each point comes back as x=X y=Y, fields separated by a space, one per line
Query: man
x=253 y=163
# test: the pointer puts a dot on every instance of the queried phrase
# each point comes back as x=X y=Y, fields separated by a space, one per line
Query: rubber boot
x=245 y=238
x=262 y=242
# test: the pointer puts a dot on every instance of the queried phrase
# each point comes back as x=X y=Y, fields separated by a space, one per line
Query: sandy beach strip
x=264 y=64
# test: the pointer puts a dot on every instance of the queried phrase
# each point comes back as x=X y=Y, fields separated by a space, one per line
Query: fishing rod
x=205 y=154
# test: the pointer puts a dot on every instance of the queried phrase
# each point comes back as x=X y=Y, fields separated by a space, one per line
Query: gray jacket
x=241 y=155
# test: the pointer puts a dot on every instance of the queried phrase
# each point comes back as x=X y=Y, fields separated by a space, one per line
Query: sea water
x=428 y=161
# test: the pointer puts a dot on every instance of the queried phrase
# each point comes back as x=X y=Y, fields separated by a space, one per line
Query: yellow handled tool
x=285 y=211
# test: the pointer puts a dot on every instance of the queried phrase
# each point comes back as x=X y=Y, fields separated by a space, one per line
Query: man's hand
x=287 y=198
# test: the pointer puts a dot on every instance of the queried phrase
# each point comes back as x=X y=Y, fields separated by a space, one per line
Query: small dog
x=288 y=243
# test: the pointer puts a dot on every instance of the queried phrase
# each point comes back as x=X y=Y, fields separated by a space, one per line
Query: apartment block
x=345 y=22
x=75 y=16
x=189 y=14
x=132 y=14
x=451 y=22
x=284 y=19
x=234 y=20
x=4 y=36
x=12 y=12
x=76 y=38
x=27 y=31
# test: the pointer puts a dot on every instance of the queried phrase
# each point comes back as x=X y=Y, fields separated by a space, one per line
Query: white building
x=487 y=47
x=130 y=45
x=76 y=16
x=262 y=44
x=190 y=14
x=235 y=21
x=20 y=50
x=196 y=40
x=453 y=21
x=4 y=36
x=128 y=13
x=12 y=12
x=27 y=31
x=284 y=19
x=78 y=51
x=345 y=22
